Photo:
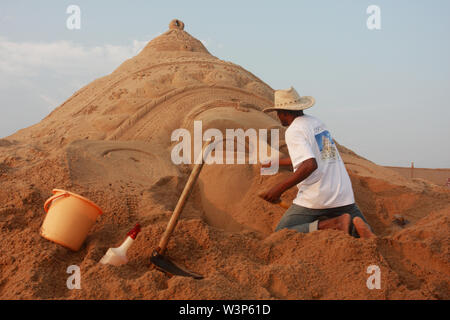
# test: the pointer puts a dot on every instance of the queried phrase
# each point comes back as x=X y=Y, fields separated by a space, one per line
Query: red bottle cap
x=134 y=232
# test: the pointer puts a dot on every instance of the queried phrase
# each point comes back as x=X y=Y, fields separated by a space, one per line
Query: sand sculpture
x=111 y=142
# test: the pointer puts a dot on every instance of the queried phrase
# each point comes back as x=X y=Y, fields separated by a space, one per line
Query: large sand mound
x=111 y=143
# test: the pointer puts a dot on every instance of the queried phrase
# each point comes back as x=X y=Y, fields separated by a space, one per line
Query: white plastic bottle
x=118 y=256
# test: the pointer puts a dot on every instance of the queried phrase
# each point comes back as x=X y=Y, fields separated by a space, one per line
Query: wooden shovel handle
x=182 y=201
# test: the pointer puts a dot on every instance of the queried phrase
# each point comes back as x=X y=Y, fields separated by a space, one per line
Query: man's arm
x=283 y=162
x=303 y=171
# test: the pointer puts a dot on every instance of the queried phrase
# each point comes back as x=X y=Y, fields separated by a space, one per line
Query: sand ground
x=110 y=142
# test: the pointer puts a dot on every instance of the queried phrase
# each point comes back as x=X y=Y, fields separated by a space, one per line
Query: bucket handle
x=54 y=197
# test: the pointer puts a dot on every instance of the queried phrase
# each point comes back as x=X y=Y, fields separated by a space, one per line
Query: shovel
x=158 y=259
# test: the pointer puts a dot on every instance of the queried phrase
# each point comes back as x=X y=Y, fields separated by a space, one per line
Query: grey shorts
x=306 y=220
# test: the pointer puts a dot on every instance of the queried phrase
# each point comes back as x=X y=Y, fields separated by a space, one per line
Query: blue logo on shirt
x=326 y=145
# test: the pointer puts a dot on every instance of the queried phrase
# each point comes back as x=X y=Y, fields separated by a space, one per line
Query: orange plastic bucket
x=69 y=218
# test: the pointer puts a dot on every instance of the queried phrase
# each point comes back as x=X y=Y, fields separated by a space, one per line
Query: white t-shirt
x=329 y=186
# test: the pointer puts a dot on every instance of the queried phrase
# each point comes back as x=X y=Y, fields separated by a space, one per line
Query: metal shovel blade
x=163 y=264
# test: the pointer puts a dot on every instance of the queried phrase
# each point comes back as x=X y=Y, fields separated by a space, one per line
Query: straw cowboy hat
x=290 y=100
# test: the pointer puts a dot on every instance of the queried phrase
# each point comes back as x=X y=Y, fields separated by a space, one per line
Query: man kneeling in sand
x=325 y=197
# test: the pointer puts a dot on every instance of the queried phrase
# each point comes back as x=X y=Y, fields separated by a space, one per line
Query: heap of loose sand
x=111 y=143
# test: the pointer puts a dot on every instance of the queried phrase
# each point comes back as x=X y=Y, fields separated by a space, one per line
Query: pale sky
x=383 y=93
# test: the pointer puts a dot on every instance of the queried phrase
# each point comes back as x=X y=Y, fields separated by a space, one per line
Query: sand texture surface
x=437 y=176
x=111 y=142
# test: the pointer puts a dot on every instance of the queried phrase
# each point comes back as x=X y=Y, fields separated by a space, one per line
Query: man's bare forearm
x=285 y=162
x=282 y=162
x=303 y=171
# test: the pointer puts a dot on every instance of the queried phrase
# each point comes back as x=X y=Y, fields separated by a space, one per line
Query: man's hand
x=282 y=162
x=266 y=164
x=273 y=195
